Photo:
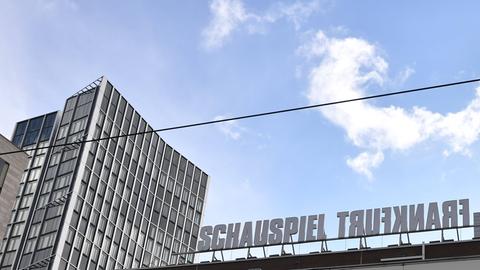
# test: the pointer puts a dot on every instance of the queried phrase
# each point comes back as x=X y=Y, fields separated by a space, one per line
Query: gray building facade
x=120 y=203
x=11 y=171
x=28 y=135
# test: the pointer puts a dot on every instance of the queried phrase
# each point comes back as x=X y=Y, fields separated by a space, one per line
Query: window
x=63 y=181
x=55 y=159
x=21 y=215
x=8 y=258
x=3 y=171
x=18 y=229
x=82 y=111
x=70 y=104
x=199 y=205
x=33 y=131
x=34 y=230
x=47 y=127
x=62 y=132
x=51 y=225
x=30 y=245
x=17 y=138
x=26 y=201
x=78 y=125
x=46 y=240
x=34 y=174
x=66 y=166
x=38 y=161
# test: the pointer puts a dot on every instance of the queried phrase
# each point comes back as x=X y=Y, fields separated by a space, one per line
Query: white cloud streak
x=346 y=68
x=296 y=12
x=230 y=15
x=231 y=129
x=364 y=162
x=227 y=16
x=404 y=75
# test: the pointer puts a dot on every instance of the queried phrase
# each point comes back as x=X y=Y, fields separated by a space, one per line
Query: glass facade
x=122 y=203
x=3 y=172
x=28 y=135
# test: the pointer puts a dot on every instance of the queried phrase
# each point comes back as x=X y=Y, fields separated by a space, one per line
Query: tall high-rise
x=120 y=203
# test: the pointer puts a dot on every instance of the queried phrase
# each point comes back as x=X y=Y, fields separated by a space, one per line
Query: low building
x=458 y=255
x=11 y=170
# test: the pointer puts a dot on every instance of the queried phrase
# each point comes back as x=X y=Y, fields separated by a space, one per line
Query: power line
x=256 y=115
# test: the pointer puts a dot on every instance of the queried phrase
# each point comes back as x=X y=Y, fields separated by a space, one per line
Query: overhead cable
x=432 y=87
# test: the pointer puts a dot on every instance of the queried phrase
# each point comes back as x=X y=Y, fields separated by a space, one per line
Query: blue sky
x=180 y=62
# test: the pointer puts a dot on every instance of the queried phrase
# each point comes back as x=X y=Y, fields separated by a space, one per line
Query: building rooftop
x=433 y=252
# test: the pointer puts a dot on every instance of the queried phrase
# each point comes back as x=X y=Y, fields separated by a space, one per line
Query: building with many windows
x=11 y=170
x=126 y=202
x=29 y=134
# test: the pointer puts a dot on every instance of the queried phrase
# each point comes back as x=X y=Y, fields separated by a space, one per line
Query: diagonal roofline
x=89 y=87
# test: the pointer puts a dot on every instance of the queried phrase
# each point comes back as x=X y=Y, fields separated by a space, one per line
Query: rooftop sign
x=351 y=224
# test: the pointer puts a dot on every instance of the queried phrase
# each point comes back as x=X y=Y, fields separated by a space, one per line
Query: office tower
x=11 y=170
x=119 y=203
x=28 y=135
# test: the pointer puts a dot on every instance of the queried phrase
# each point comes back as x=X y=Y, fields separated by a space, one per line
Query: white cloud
x=347 y=67
x=364 y=162
x=231 y=129
x=339 y=30
x=227 y=15
x=296 y=12
x=230 y=15
x=404 y=75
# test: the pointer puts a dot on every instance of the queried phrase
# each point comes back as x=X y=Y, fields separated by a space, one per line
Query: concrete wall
x=464 y=264
x=17 y=163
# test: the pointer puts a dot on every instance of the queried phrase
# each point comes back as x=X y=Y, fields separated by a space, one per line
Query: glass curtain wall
x=140 y=201
x=126 y=202
x=28 y=134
